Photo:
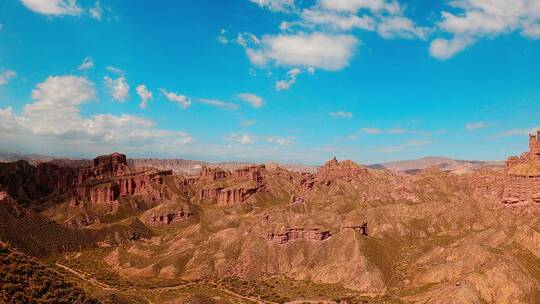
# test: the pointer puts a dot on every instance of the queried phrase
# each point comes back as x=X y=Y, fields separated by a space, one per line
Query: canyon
x=361 y=234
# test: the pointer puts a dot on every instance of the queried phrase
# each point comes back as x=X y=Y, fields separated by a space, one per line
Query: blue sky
x=259 y=80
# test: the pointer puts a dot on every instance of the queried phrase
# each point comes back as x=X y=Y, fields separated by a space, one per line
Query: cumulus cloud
x=217 y=103
x=243 y=139
x=320 y=50
x=87 y=64
x=53 y=7
x=341 y=114
x=54 y=114
x=276 y=5
x=118 y=87
x=477 y=19
x=181 y=100
x=144 y=94
x=254 y=100
x=6 y=75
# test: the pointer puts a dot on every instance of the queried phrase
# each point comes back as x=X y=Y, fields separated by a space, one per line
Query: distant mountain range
x=189 y=167
x=443 y=163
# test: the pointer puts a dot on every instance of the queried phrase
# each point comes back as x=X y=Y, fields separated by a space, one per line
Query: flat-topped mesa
x=522 y=178
x=334 y=169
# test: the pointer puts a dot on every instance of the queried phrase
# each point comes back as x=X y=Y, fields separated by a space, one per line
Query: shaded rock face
x=27 y=183
x=37 y=235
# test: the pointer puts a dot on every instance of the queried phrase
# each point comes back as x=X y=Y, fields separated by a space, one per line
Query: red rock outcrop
x=229 y=188
x=522 y=175
x=249 y=173
x=231 y=196
x=170 y=217
x=212 y=174
x=299 y=233
x=109 y=178
x=346 y=170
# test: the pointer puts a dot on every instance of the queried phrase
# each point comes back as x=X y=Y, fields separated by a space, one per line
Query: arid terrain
x=146 y=231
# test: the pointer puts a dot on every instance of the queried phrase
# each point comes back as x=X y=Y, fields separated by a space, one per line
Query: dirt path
x=87 y=278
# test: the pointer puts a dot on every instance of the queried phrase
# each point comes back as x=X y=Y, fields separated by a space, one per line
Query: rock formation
x=299 y=233
x=522 y=175
x=110 y=178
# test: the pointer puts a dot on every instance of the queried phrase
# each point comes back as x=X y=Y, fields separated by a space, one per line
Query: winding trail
x=87 y=278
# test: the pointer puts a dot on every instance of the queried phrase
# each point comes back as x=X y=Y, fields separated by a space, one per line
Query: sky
x=295 y=81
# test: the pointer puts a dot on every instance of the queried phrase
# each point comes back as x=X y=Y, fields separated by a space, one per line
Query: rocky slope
x=25 y=280
x=382 y=236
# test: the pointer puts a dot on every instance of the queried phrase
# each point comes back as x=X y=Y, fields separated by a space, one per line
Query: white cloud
x=286 y=84
x=118 y=87
x=282 y=141
x=399 y=26
x=247 y=123
x=54 y=115
x=222 y=38
x=396 y=131
x=443 y=49
x=353 y=6
x=334 y=20
x=372 y=131
x=516 y=132
x=182 y=100
x=87 y=64
x=276 y=5
x=341 y=114
x=217 y=103
x=96 y=12
x=6 y=75
x=144 y=94
x=53 y=7
x=254 y=100
x=244 y=139
x=477 y=19
x=476 y=125
x=247 y=40
x=115 y=70
x=320 y=50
